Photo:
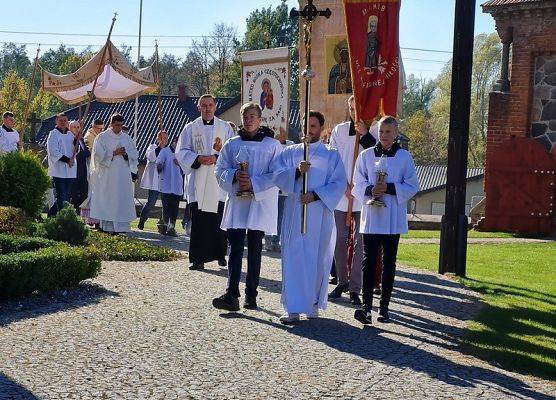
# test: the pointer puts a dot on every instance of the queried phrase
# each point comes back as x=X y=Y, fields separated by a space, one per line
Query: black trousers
x=236 y=237
x=170 y=207
x=207 y=242
x=371 y=248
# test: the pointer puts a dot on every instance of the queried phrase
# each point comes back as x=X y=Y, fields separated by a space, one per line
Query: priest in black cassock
x=197 y=150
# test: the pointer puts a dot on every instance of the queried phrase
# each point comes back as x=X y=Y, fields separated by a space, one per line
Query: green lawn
x=517 y=326
x=414 y=234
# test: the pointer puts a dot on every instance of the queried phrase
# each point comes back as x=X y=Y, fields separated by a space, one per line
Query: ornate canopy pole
x=307 y=15
x=99 y=72
x=29 y=95
x=158 y=94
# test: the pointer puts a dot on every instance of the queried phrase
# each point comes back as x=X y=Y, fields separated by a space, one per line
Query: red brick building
x=520 y=170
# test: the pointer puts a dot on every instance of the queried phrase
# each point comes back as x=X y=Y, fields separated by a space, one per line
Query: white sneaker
x=289 y=317
x=314 y=314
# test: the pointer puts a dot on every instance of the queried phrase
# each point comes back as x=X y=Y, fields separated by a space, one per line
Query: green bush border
x=46 y=269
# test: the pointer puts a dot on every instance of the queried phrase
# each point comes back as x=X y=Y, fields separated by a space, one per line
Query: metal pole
x=453 y=236
x=136 y=120
x=29 y=94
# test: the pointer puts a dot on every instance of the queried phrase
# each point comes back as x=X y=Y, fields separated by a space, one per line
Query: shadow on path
x=373 y=343
x=9 y=389
x=63 y=300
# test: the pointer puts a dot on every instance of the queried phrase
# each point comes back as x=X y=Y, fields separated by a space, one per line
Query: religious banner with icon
x=373 y=39
x=337 y=65
x=266 y=81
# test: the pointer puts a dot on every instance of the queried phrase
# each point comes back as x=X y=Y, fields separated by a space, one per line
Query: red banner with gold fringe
x=374 y=49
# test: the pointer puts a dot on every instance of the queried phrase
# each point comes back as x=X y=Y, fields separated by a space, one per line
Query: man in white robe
x=253 y=215
x=9 y=137
x=343 y=138
x=383 y=225
x=113 y=158
x=60 y=147
x=197 y=150
x=306 y=258
x=171 y=188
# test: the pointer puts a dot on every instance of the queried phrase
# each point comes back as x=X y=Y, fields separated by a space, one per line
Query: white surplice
x=170 y=178
x=112 y=199
x=392 y=219
x=345 y=144
x=306 y=259
x=58 y=145
x=150 y=177
x=260 y=212
x=198 y=139
x=8 y=140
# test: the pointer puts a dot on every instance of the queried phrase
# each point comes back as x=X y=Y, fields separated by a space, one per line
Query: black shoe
x=337 y=292
x=333 y=281
x=226 y=302
x=363 y=316
x=222 y=262
x=377 y=290
x=250 y=303
x=383 y=316
x=141 y=225
x=197 y=266
x=354 y=299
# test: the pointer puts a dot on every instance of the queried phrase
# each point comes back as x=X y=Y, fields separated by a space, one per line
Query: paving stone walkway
x=148 y=331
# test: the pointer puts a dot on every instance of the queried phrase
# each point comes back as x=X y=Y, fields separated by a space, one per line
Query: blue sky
x=426 y=24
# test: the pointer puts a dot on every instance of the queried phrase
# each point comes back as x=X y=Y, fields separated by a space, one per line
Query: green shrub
x=13 y=220
x=17 y=244
x=23 y=182
x=46 y=269
x=121 y=248
x=66 y=226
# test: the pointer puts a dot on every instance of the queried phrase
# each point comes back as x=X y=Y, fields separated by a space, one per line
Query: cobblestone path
x=148 y=331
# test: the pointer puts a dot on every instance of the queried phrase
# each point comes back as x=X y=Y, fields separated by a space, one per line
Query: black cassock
x=208 y=242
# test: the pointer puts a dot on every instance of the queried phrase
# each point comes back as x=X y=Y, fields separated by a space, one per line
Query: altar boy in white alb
x=113 y=158
x=9 y=137
x=306 y=258
x=383 y=222
x=255 y=213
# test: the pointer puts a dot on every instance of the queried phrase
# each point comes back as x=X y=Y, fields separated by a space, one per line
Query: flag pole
x=29 y=94
x=136 y=113
x=159 y=96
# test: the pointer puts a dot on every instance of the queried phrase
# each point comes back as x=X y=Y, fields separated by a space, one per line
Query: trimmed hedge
x=18 y=244
x=13 y=220
x=65 y=226
x=46 y=269
x=121 y=248
x=23 y=181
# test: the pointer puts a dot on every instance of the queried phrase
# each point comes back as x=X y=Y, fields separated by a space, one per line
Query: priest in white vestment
x=306 y=258
x=384 y=221
x=197 y=151
x=9 y=137
x=113 y=158
x=254 y=212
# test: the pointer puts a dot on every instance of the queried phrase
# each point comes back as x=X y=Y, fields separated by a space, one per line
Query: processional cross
x=308 y=16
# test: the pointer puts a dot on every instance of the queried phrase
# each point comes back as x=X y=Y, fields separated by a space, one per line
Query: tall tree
x=417 y=95
x=14 y=58
x=274 y=28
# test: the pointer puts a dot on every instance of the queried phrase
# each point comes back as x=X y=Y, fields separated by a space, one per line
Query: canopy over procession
x=332 y=204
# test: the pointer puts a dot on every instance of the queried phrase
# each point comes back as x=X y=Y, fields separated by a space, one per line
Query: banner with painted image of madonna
x=266 y=81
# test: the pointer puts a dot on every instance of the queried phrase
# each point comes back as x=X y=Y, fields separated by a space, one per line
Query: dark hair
x=62 y=114
x=116 y=118
x=388 y=120
x=98 y=121
x=318 y=115
x=8 y=114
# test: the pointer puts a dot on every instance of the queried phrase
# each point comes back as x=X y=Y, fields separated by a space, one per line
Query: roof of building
x=433 y=177
x=492 y=4
x=175 y=114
